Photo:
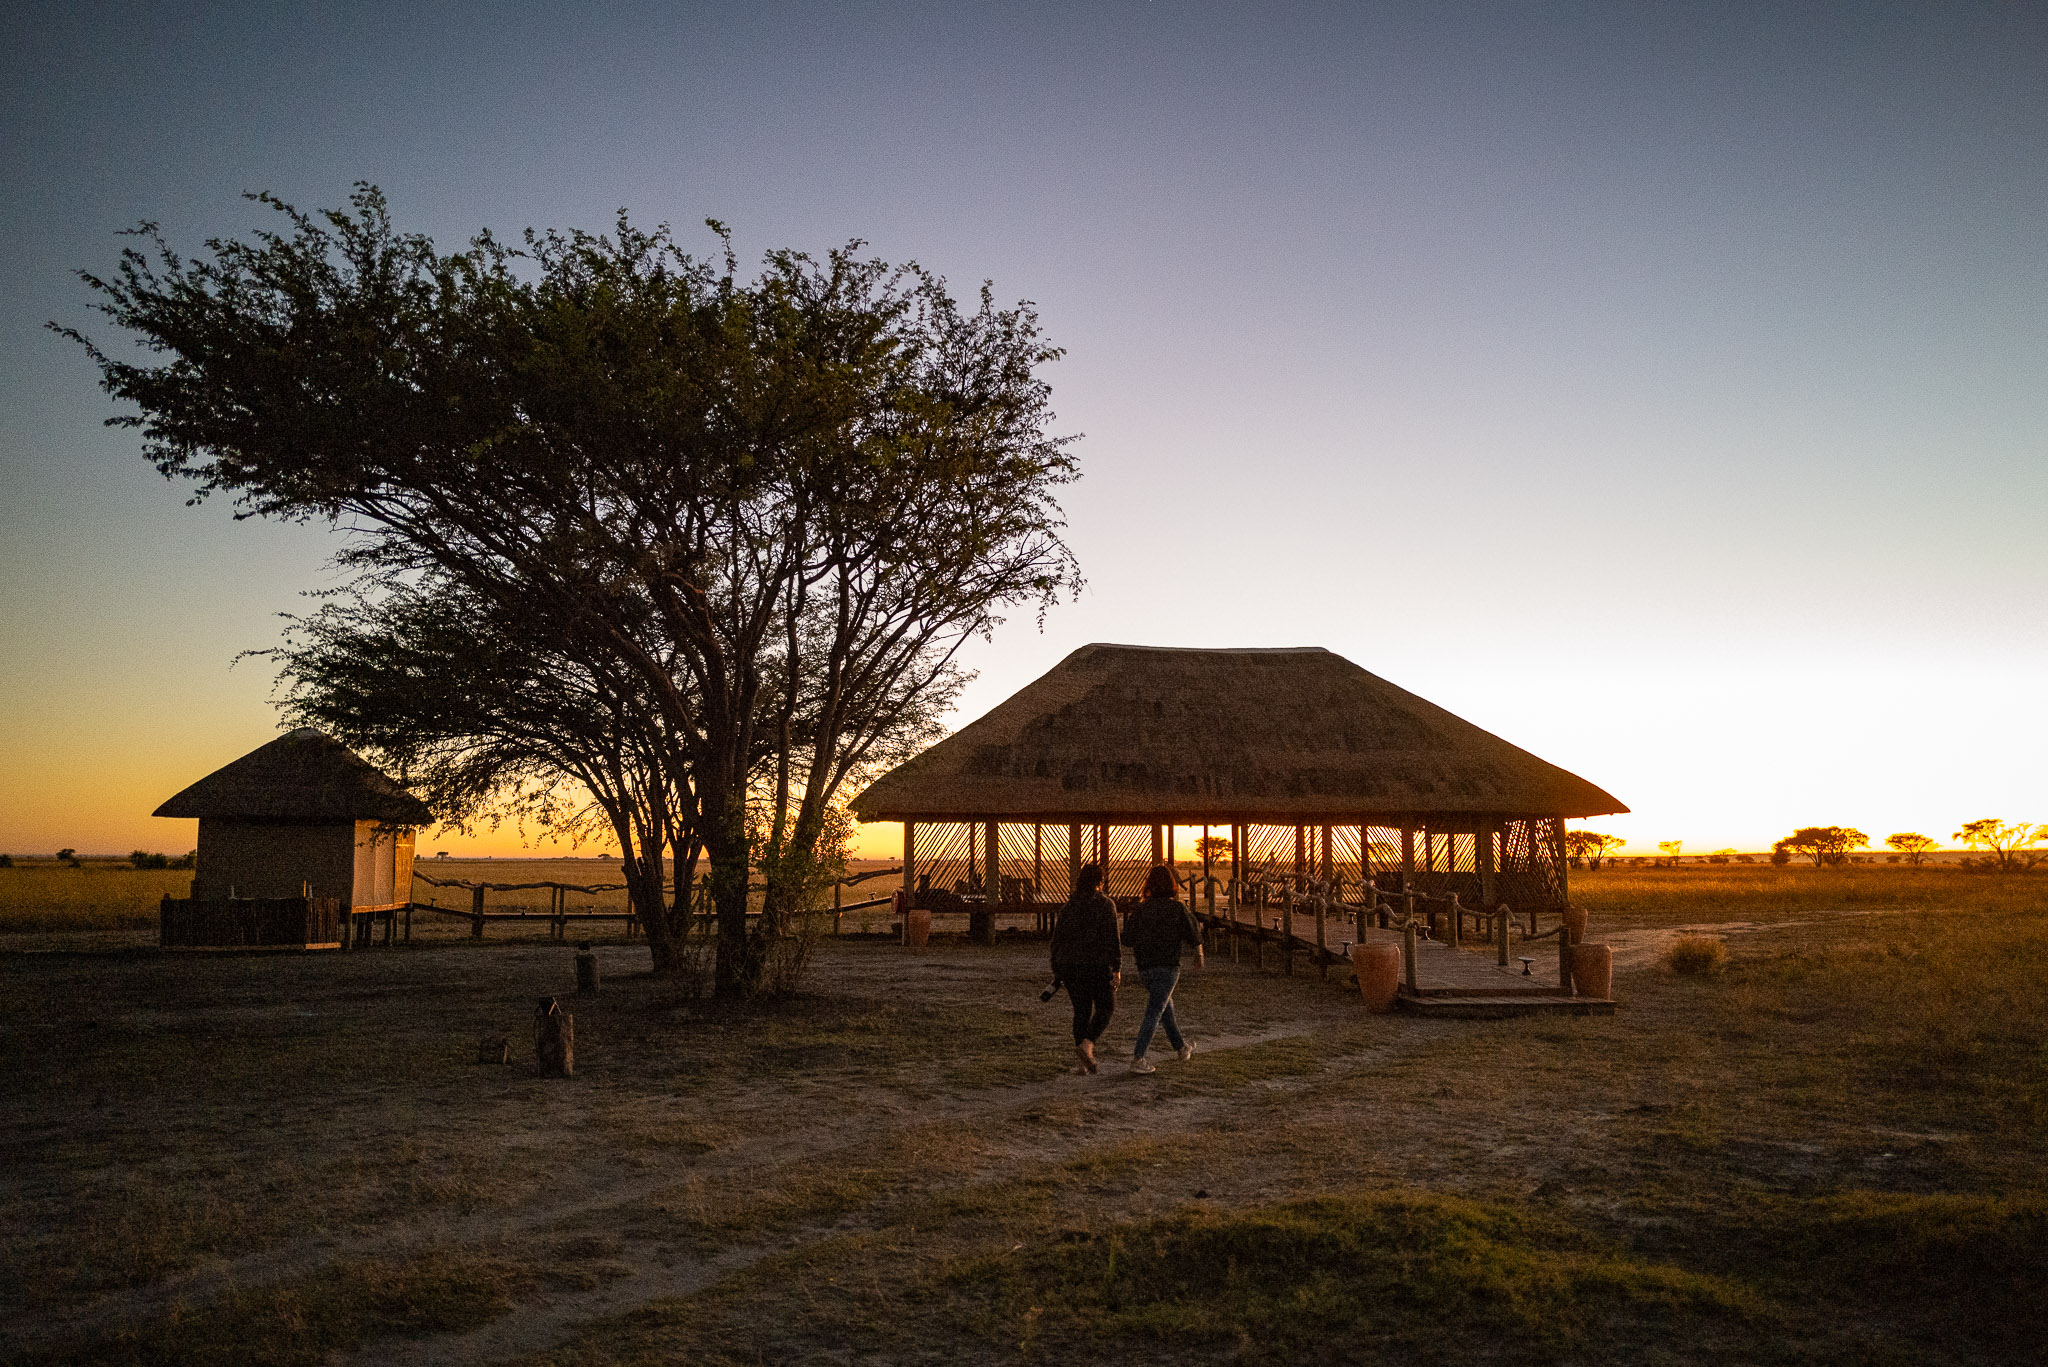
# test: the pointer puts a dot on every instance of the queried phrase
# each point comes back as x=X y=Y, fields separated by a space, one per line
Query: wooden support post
x=909 y=878
x=1322 y=932
x=1564 y=963
x=992 y=885
x=1559 y=862
x=1407 y=854
x=1171 y=858
x=408 y=921
x=1300 y=857
x=1408 y=954
x=1158 y=846
x=1329 y=867
x=1037 y=874
x=838 y=900
x=1487 y=837
x=1073 y=856
x=1287 y=927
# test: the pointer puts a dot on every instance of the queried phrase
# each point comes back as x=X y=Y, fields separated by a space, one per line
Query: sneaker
x=1187 y=1050
x=1141 y=1064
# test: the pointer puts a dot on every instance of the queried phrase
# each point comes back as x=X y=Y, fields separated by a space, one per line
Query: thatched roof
x=1141 y=733
x=301 y=776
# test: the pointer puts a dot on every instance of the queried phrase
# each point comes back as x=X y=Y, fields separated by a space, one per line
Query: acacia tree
x=2007 y=842
x=762 y=517
x=1822 y=844
x=1911 y=845
x=1585 y=848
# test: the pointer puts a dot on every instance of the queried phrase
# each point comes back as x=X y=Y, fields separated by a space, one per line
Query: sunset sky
x=1663 y=388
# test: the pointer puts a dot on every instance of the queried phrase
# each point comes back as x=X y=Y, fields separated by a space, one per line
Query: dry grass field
x=1830 y=1150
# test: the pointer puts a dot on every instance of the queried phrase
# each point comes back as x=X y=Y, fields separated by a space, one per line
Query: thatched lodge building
x=1319 y=771
x=303 y=817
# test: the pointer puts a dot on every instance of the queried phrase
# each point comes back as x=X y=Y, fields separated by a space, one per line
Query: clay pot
x=1593 y=971
x=1378 y=967
x=917 y=927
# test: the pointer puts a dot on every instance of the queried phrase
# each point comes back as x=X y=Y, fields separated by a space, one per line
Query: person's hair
x=1159 y=883
x=1087 y=880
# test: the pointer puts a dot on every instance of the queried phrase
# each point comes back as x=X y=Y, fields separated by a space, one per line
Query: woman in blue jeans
x=1156 y=930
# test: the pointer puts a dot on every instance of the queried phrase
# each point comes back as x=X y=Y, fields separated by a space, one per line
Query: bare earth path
x=303 y=1149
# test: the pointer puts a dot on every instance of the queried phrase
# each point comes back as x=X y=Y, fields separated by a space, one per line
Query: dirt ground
x=298 y=1158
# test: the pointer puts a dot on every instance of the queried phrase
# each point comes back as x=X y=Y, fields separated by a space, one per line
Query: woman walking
x=1087 y=958
x=1155 y=931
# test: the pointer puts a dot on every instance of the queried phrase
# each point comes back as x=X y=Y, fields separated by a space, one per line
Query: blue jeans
x=1158 y=1006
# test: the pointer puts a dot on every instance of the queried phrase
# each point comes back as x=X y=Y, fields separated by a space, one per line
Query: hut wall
x=257 y=859
x=382 y=863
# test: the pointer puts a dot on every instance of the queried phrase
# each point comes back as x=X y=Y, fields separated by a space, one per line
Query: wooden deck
x=1467 y=982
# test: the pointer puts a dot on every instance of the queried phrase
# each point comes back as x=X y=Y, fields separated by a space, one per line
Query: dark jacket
x=1084 y=936
x=1156 y=929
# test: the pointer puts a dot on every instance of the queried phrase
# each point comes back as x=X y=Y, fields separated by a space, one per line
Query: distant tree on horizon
x=1821 y=844
x=1670 y=849
x=1586 y=849
x=2006 y=842
x=1911 y=845
x=1214 y=848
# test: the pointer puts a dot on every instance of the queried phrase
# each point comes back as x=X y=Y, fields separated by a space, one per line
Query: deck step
x=1499 y=1007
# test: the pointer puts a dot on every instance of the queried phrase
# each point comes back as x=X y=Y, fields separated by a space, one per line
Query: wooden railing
x=1411 y=912
x=559 y=915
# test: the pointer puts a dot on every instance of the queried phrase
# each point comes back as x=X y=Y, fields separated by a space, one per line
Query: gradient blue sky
x=1664 y=387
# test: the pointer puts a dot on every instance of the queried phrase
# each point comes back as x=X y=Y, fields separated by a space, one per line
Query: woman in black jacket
x=1155 y=930
x=1087 y=958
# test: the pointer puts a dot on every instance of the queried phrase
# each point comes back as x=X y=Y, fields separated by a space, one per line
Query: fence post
x=1564 y=963
x=1408 y=954
x=476 y=912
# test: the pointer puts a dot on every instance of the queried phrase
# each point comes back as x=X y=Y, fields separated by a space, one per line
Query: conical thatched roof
x=301 y=776
x=1140 y=733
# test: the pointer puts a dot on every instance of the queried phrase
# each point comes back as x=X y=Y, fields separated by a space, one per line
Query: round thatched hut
x=1318 y=770
x=303 y=816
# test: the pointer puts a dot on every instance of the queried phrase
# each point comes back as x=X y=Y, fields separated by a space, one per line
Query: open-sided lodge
x=1321 y=774
x=299 y=840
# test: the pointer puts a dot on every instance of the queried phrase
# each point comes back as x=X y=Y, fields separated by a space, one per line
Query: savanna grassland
x=1829 y=1150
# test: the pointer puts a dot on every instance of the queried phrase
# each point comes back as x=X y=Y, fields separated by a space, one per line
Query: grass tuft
x=1697 y=955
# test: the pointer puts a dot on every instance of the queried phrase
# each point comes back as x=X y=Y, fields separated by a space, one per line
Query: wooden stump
x=554 y=1039
x=917 y=927
x=586 y=972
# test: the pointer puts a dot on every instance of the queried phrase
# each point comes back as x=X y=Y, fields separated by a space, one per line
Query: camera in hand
x=1046 y=995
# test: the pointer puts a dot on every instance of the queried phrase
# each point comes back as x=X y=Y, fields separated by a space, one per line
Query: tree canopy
x=740 y=528
x=1822 y=844
x=2007 y=841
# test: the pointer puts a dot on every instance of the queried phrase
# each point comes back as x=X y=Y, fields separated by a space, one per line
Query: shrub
x=69 y=856
x=6 y=861
x=149 y=861
x=188 y=860
x=1697 y=955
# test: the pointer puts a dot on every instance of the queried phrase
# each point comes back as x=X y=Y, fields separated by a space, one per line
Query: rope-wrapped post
x=1500 y=931
x=1408 y=953
x=1457 y=922
x=1564 y=962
